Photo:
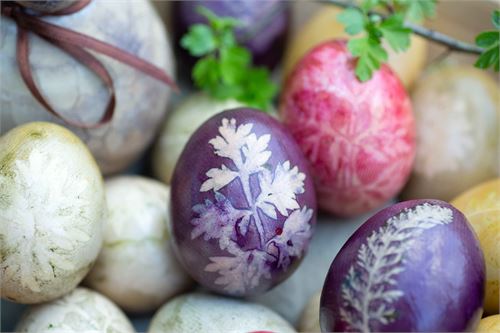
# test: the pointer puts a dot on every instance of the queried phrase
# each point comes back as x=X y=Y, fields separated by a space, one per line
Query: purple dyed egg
x=243 y=205
x=263 y=30
x=415 y=266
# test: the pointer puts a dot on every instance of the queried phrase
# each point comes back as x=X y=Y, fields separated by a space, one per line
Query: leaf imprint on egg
x=247 y=155
x=370 y=287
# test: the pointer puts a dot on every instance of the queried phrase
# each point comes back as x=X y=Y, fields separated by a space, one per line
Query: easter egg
x=489 y=324
x=481 y=206
x=197 y=312
x=82 y=310
x=415 y=266
x=263 y=25
x=358 y=136
x=78 y=95
x=137 y=268
x=309 y=321
x=324 y=26
x=242 y=203
x=457 y=114
x=52 y=208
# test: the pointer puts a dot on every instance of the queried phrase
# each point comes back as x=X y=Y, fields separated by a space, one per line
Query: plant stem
x=245 y=180
x=435 y=36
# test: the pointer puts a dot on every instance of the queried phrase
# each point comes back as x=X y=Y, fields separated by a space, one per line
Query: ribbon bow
x=73 y=43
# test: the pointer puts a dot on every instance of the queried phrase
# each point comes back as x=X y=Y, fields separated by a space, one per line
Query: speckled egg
x=52 y=208
x=457 y=113
x=481 y=206
x=489 y=324
x=137 y=268
x=263 y=24
x=77 y=94
x=415 y=266
x=82 y=310
x=180 y=124
x=358 y=137
x=242 y=204
x=324 y=26
x=198 y=312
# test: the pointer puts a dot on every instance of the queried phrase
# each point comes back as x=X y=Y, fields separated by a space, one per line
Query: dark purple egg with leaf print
x=415 y=266
x=243 y=205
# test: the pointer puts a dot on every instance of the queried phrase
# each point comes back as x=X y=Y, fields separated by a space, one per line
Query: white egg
x=82 y=310
x=309 y=321
x=197 y=312
x=51 y=211
x=137 y=268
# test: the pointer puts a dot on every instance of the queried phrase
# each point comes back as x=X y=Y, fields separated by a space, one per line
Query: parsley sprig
x=490 y=42
x=225 y=69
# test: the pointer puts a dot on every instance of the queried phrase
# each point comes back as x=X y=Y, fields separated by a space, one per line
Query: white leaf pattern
x=221 y=220
x=370 y=286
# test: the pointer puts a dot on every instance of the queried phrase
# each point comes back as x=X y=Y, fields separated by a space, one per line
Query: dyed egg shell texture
x=266 y=44
x=481 y=206
x=243 y=203
x=414 y=266
x=358 y=137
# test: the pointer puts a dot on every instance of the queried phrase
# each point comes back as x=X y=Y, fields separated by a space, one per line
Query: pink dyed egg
x=358 y=137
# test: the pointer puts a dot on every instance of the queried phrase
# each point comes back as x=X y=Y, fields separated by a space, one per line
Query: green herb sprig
x=490 y=42
x=225 y=69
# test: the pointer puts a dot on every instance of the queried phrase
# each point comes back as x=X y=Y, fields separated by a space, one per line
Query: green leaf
x=368 y=5
x=487 y=38
x=259 y=89
x=370 y=56
x=217 y=22
x=206 y=72
x=233 y=63
x=417 y=10
x=495 y=18
x=199 y=41
x=353 y=20
x=488 y=59
x=394 y=31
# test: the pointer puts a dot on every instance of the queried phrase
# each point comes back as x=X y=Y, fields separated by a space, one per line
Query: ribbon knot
x=73 y=43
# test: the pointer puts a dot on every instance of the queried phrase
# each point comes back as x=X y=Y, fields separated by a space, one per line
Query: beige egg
x=82 y=310
x=198 y=312
x=481 y=206
x=324 y=26
x=77 y=94
x=137 y=268
x=489 y=324
x=457 y=113
x=181 y=123
x=52 y=208
x=309 y=321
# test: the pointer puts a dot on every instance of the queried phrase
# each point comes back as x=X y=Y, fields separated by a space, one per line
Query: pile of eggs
x=281 y=222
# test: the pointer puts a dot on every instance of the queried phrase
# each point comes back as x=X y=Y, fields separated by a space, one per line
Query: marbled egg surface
x=481 y=206
x=243 y=203
x=415 y=266
x=358 y=137
x=77 y=94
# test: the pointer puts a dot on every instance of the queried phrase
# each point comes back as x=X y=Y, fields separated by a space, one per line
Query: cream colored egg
x=181 y=123
x=198 y=312
x=77 y=94
x=82 y=310
x=481 y=206
x=137 y=268
x=489 y=324
x=324 y=26
x=309 y=321
x=52 y=208
x=457 y=113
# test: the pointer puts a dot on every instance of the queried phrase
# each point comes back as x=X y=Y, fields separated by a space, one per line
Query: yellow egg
x=481 y=206
x=324 y=26
x=489 y=324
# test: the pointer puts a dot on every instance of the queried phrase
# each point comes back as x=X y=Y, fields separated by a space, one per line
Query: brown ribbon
x=73 y=43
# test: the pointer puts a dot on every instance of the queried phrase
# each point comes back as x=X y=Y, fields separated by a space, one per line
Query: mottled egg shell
x=180 y=124
x=358 y=137
x=82 y=310
x=263 y=24
x=457 y=113
x=324 y=26
x=137 y=268
x=52 y=208
x=481 y=206
x=243 y=204
x=77 y=94
x=489 y=324
x=415 y=266
x=198 y=312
